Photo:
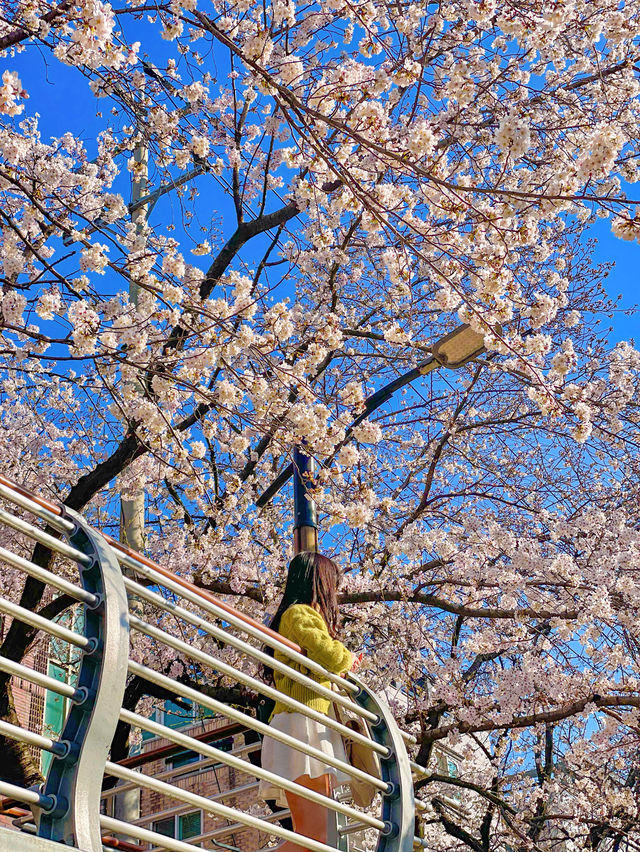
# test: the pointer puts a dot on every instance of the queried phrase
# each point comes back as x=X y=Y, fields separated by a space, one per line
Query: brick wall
x=28 y=698
x=212 y=781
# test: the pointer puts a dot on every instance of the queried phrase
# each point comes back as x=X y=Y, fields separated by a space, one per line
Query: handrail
x=72 y=779
x=241 y=645
x=231 y=760
x=68 y=806
x=270 y=691
x=231 y=713
x=213 y=807
x=58 y=511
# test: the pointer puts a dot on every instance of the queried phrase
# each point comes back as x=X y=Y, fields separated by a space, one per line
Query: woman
x=308 y=615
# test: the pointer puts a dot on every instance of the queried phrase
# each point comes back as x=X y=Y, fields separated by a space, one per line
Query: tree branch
x=531 y=719
x=21 y=33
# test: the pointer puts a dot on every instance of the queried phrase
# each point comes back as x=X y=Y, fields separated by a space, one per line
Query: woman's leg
x=309 y=818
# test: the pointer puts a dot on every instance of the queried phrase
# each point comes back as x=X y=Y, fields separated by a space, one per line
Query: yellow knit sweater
x=302 y=624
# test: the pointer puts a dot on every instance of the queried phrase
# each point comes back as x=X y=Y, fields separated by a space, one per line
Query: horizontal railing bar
x=351 y=828
x=7 y=808
x=30 y=738
x=115 y=843
x=44 y=538
x=20 y=498
x=198 y=766
x=150 y=837
x=14 y=669
x=49 y=577
x=29 y=797
x=178 y=810
x=25 y=823
x=249 y=650
x=44 y=624
x=248 y=768
x=234 y=617
x=215 y=808
x=41 y=502
x=231 y=713
x=235 y=827
x=156 y=816
x=188 y=650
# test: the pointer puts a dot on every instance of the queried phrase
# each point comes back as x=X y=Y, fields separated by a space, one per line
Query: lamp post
x=305 y=518
x=452 y=351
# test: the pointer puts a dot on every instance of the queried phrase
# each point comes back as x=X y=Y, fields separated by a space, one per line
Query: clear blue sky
x=625 y=276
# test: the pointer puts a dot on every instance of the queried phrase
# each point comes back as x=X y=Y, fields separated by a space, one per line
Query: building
x=205 y=777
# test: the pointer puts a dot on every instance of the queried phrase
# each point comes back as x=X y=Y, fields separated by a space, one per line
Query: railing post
x=75 y=778
x=398 y=805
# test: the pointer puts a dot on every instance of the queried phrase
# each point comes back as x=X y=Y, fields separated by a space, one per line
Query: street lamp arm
x=371 y=404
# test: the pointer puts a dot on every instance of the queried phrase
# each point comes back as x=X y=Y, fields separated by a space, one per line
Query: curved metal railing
x=134 y=613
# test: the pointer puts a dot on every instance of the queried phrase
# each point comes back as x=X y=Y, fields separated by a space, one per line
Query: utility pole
x=132 y=508
x=126 y=805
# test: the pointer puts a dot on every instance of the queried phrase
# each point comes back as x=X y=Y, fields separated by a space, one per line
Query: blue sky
x=624 y=278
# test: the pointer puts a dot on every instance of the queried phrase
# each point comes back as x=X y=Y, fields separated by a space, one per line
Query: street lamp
x=452 y=351
x=457 y=348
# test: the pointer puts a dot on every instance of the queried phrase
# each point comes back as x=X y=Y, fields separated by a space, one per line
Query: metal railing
x=135 y=613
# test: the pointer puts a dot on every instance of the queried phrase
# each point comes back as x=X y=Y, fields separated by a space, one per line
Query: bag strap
x=336 y=708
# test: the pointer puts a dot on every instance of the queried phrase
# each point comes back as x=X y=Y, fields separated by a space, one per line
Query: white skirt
x=289 y=763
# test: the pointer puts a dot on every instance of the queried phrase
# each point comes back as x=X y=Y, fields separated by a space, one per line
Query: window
x=166 y=827
x=185 y=757
x=189 y=825
x=224 y=745
x=452 y=772
x=62 y=664
x=173 y=715
x=180 y=827
x=448 y=766
x=55 y=711
x=182 y=758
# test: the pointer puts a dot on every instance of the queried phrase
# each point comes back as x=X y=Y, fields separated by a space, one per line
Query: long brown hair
x=312 y=579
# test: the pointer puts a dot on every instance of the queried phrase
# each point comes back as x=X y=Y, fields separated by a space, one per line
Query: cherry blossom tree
x=331 y=189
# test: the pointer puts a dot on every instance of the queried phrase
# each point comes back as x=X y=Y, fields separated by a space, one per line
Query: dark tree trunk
x=15 y=757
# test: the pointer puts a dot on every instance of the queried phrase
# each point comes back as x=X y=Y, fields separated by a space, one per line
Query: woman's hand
x=357 y=661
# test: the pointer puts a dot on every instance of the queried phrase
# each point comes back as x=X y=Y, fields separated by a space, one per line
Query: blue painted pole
x=305 y=519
